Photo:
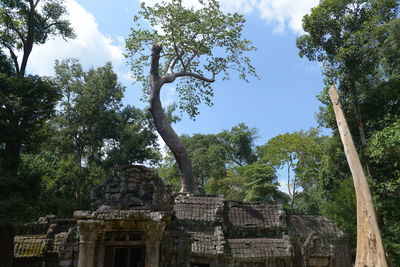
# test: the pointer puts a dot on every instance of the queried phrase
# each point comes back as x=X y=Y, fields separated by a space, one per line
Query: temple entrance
x=199 y=265
x=125 y=256
x=124 y=249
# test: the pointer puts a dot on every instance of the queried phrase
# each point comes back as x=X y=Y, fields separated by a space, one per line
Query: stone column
x=154 y=234
x=87 y=249
x=152 y=254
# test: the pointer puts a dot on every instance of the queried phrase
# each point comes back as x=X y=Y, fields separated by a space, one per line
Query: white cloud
x=285 y=14
x=168 y=96
x=90 y=46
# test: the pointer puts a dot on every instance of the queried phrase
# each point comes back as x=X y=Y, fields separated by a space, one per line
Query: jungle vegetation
x=61 y=135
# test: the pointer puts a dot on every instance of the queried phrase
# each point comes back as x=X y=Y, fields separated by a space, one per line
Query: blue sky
x=283 y=100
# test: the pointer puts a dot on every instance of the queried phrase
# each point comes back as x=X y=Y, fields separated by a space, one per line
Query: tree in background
x=25 y=104
x=239 y=144
x=298 y=152
x=209 y=160
x=194 y=46
x=253 y=182
x=92 y=132
x=340 y=34
x=384 y=151
x=25 y=23
x=87 y=116
x=358 y=43
x=225 y=164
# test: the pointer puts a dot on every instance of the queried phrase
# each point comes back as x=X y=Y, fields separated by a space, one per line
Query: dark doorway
x=127 y=256
x=199 y=265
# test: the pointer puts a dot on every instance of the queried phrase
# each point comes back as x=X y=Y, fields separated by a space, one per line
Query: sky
x=282 y=100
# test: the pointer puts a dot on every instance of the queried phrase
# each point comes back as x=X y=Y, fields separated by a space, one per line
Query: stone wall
x=132 y=187
x=49 y=242
x=66 y=244
x=133 y=208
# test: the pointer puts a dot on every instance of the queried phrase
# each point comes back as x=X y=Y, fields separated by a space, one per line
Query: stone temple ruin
x=135 y=222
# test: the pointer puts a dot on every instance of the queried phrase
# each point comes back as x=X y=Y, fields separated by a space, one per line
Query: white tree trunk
x=370 y=250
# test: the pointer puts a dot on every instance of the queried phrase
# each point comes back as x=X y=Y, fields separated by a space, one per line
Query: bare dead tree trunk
x=164 y=128
x=361 y=129
x=370 y=250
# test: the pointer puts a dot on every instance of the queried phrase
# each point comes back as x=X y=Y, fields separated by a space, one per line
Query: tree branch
x=195 y=75
x=155 y=60
x=176 y=48
x=195 y=53
x=52 y=24
x=13 y=56
x=179 y=52
x=36 y=3
x=190 y=60
x=174 y=61
x=15 y=29
x=32 y=4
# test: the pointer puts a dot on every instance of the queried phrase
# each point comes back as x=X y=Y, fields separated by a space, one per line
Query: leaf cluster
x=225 y=163
x=24 y=23
x=196 y=43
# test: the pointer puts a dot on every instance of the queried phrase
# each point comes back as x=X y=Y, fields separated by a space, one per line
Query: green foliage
x=341 y=208
x=253 y=182
x=358 y=43
x=384 y=145
x=25 y=105
x=66 y=153
x=208 y=160
x=24 y=23
x=347 y=36
x=384 y=150
x=195 y=42
x=18 y=196
x=300 y=152
x=92 y=133
x=231 y=186
x=337 y=31
x=135 y=140
x=48 y=19
x=260 y=183
x=57 y=177
x=89 y=108
x=213 y=154
x=225 y=164
x=207 y=154
x=239 y=144
x=5 y=65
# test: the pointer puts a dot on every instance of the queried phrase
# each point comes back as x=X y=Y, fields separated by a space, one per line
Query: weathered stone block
x=115 y=196
x=114 y=189
x=65 y=263
x=66 y=255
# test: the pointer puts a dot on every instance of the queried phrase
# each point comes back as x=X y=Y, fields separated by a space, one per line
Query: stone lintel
x=139 y=215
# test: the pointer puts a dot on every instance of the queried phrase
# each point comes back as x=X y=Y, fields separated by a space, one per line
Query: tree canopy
x=24 y=24
x=357 y=42
x=197 y=45
x=226 y=164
